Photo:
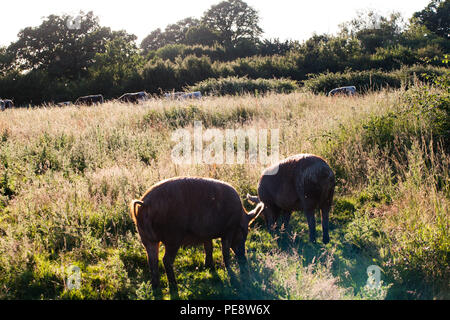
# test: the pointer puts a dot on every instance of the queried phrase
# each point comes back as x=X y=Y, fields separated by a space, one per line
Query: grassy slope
x=67 y=176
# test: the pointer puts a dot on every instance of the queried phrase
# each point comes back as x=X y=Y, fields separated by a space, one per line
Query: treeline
x=59 y=61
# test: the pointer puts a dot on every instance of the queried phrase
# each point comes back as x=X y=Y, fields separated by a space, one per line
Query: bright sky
x=284 y=19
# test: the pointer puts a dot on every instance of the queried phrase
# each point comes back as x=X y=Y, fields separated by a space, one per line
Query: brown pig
x=301 y=182
x=191 y=211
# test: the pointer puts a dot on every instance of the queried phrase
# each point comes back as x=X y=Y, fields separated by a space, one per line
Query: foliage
x=362 y=80
x=374 y=30
x=372 y=80
x=6 y=61
x=53 y=63
x=403 y=187
x=160 y=75
x=233 y=21
x=173 y=34
x=434 y=104
x=435 y=17
x=113 y=68
x=202 y=35
x=239 y=86
x=68 y=51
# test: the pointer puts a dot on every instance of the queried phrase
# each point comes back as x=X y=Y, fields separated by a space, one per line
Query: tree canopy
x=233 y=20
x=62 y=50
x=374 y=30
x=436 y=17
x=173 y=34
x=229 y=23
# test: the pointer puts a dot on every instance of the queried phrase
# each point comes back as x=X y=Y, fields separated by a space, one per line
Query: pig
x=302 y=182
x=187 y=211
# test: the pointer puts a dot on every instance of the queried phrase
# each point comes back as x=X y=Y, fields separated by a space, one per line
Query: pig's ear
x=252 y=215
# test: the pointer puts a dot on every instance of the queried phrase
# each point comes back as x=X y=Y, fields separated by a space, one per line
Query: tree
x=374 y=30
x=62 y=49
x=176 y=33
x=233 y=21
x=114 y=67
x=173 y=34
x=153 y=41
x=436 y=17
x=270 y=47
x=6 y=61
x=202 y=35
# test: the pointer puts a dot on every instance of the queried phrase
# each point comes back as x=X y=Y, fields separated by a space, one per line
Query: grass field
x=67 y=176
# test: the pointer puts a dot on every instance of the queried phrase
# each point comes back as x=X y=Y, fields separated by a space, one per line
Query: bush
x=259 y=67
x=411 y=75
x=170 y=51
x=159 y=75
x=193 y=69
x=433 y=103
x=236 y=85
x=173 y=51
x=393 y=58
x=362 y=80
x=372 y=79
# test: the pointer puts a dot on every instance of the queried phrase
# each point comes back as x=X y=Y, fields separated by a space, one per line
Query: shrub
x=372 y=79
x=170 y=51
x=159 y=75
x=393 y=58
x=235 y=85
x=433 y=103
x=362 y=80
x=399 y=162
x=411 y=75
x=173 y=51
x=193 y=69
x=258 y=67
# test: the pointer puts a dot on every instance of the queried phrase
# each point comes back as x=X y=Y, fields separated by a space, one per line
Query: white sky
x=284 y=19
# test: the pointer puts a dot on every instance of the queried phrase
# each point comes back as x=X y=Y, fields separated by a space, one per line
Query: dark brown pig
x=90 y=100
x=134 y=97
x=302 y=182
x=191 y=211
